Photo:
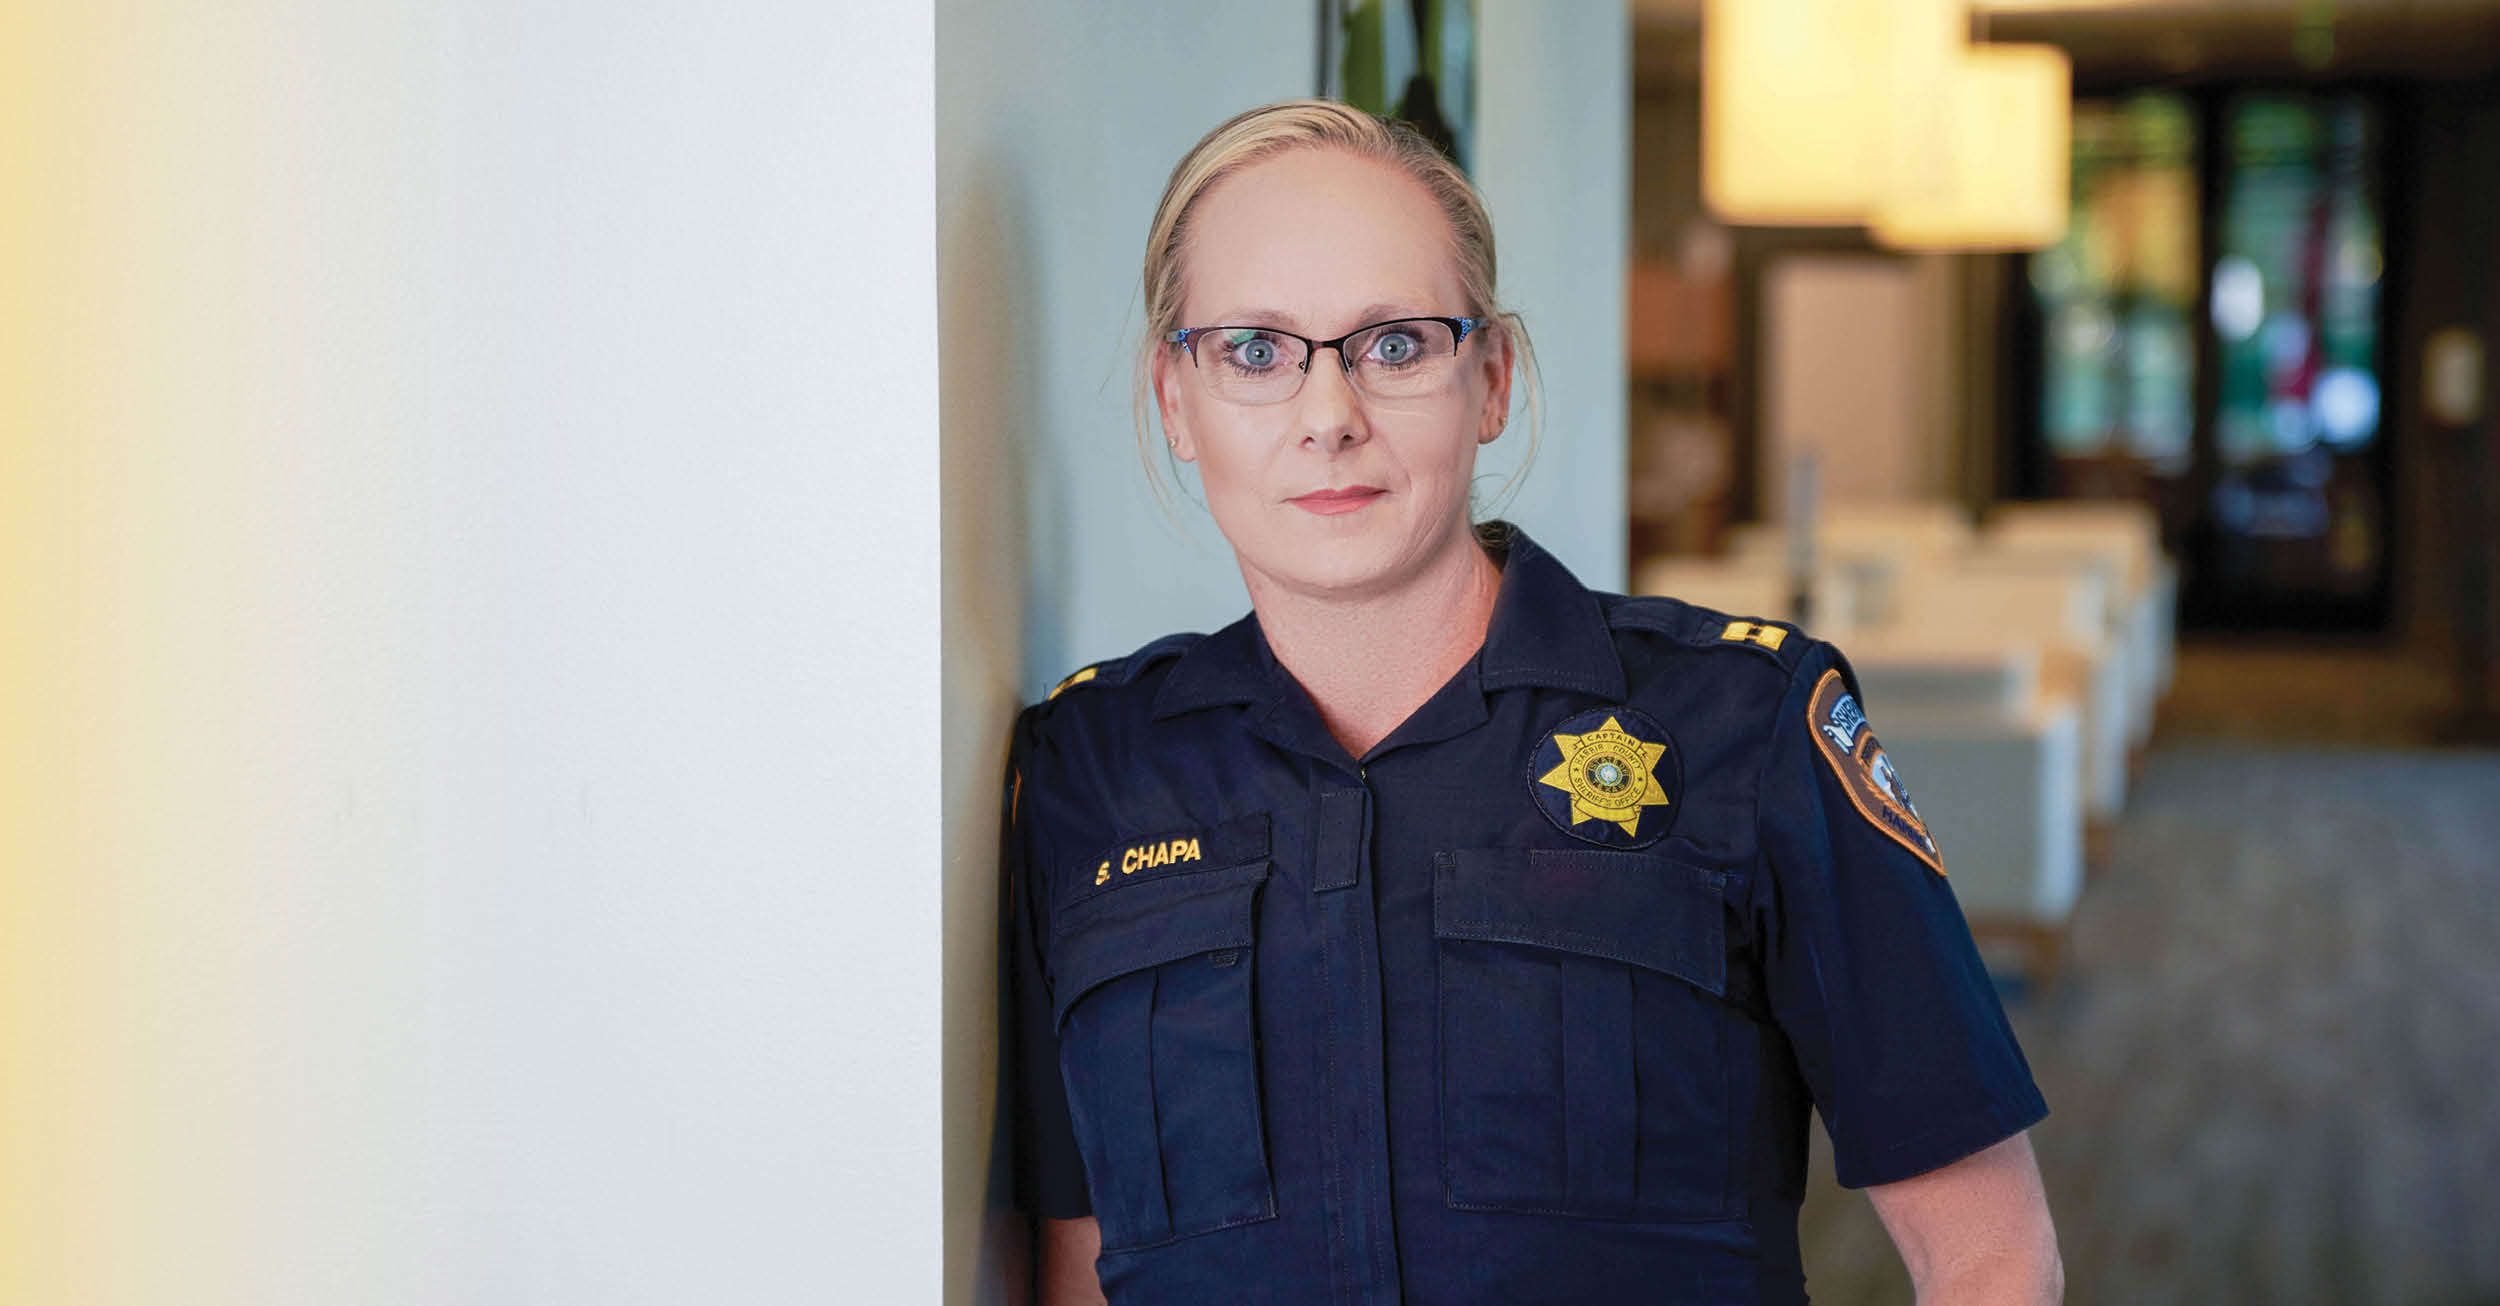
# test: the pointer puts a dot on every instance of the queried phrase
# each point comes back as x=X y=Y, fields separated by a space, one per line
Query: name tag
x=1177 y=852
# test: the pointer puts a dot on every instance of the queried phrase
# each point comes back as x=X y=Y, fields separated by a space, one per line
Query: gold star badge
x=1610 y=774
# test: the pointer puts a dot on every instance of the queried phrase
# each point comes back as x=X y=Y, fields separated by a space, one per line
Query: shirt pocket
x=1158 y=1048
x=1581 y=1068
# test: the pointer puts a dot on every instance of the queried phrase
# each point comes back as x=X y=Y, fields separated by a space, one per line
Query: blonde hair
x=1274 y=129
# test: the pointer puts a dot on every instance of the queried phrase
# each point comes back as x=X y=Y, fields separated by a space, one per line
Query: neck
x=1369 y=662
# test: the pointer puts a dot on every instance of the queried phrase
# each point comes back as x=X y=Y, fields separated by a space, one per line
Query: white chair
x=1905 y=669
x=2000 y=797
x=2090 y=578
x=1990 y=606
x=1912 y=536
x=1861 y=583
x=2143 y=594
x=1746 y=587
x=2162 y=629
x=1870 y=547
x=2126 y=526
x=1993 y=755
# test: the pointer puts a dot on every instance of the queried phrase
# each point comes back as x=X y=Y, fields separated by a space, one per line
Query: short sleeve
x=1050 y=1175
x=1869 y=964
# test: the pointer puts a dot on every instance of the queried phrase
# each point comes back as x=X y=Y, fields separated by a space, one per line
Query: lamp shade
x=1795 y=97
x=1982 y=159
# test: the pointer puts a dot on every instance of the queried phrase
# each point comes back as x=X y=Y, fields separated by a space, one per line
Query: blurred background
x=2139 y=451
x=523 y=527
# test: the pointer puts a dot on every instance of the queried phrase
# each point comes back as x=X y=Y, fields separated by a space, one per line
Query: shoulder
x=1102 y=697
x=1729 y=676
x=1072 y=747
x=1124 y=672
x=1694 y=640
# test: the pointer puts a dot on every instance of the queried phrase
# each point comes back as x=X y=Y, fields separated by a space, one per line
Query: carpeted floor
x=2273 y=1061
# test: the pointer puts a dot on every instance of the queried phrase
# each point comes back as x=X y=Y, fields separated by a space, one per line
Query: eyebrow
x=1368 y=315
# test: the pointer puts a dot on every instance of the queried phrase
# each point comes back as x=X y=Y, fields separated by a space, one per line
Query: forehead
x=1311 y=238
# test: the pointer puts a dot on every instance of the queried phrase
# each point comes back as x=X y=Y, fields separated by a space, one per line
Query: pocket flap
x=1634 y=907
x=1149 y=923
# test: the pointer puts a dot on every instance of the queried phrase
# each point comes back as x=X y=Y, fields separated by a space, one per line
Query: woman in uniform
x=1444 y=932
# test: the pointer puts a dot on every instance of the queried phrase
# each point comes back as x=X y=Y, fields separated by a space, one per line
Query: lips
x=1329 y=503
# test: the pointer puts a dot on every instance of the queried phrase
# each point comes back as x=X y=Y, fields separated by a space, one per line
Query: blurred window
x=2296 y=504
x=2270 y=476
x=2118 y=294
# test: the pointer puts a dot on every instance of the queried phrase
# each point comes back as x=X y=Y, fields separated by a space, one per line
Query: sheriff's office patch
x=1848 y=743
x=1610 y=776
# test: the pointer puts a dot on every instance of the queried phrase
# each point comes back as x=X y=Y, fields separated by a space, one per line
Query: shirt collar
x=1547 y=629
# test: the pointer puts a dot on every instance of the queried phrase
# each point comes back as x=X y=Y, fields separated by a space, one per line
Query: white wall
x=473 y=526
x=1850 y=350
x=1842 y=378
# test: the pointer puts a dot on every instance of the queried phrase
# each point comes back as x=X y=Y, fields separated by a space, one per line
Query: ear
x=1168 y=359
x=1495 y=359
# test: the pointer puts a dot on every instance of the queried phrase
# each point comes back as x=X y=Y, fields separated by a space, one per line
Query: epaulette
x=1121 y=670
x=1700 y=627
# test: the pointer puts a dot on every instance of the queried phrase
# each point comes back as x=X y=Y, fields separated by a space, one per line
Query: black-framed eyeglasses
x=1398 y=359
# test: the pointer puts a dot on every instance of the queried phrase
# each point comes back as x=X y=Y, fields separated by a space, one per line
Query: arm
x=1067 y=1262
x=1975 y=1232
x=1884 y=999
x=1050 y=1180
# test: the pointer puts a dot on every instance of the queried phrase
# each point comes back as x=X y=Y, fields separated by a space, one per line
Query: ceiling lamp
x=1983 y=156
x=1797 y=101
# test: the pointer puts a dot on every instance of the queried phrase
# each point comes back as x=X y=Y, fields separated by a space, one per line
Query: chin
x=1341 y=560
x=1351 y=577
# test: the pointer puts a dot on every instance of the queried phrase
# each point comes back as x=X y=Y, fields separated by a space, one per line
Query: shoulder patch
x=1848 y=745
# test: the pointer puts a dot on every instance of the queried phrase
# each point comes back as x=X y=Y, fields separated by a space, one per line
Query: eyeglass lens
x=1253 y=365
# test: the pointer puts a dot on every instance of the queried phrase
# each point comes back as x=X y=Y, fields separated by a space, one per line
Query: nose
x=1329 y=411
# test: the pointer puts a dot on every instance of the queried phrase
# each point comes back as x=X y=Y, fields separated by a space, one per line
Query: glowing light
x=2346 y=402
x=1990 y=143
x=2239 y=298
x=1797 y=102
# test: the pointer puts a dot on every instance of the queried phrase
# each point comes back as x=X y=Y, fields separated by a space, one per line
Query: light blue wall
x=1554 y=160
x=1056 y=125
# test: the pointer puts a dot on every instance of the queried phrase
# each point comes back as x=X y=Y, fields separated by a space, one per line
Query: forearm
x=1976 y=1232
x=1068 y=1249
x=2021 y=1276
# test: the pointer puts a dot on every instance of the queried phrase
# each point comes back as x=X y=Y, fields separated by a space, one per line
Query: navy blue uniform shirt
x=1528 y=1004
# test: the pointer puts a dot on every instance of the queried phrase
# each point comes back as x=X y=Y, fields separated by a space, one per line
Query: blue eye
x=1397 y=347
x=1252 y=351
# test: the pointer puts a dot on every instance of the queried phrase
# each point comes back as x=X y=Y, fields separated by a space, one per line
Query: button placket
x=1352 y=1056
